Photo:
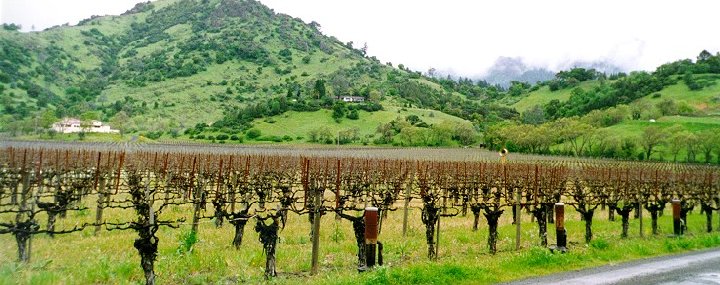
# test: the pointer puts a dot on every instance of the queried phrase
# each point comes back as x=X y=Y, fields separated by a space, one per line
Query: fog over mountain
x=507 y=69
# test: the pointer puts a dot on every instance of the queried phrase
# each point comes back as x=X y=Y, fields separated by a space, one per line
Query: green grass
x=633 y=129
x=543 y=96
x=81 y=258
x=706 y=100
x=297 y=124
x=692 y=124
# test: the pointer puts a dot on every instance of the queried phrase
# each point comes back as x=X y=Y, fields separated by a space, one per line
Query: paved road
x=691 y=268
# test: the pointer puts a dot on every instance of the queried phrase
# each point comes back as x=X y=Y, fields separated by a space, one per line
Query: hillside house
x=351 y=99
x=72 y=125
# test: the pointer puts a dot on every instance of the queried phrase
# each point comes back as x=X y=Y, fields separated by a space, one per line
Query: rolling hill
x=169 y=66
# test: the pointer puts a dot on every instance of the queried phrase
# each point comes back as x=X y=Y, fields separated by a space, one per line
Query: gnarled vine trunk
x=684 y=210
x=708 y=209
x=147 y=247
x=492 y=217
x=268 y=235
x=476 y=215
x=239 y=225
x=540 y=213
x=358 y=224
x=624 y=212
x=654 y=209
x=430 y=215
x=612 y=207
x=587 y=216
x=22 y=234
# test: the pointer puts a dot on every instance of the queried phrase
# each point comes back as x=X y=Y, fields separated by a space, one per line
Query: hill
x=544 y=95
x=172 y=67
x=638 y=116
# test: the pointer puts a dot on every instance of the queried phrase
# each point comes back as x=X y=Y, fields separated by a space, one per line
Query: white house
x=72 y=125
x=351 y=99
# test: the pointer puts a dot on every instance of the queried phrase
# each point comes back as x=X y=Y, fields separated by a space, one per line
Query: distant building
x=72 y=125
x=351 y=99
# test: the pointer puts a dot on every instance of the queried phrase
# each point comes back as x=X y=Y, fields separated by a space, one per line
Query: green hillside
x=301 y=124
x=543 y=96
x=670 y=114
x=705 y=101
x=171 y=67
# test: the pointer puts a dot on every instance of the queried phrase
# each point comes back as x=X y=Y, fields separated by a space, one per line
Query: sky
x=465 y=37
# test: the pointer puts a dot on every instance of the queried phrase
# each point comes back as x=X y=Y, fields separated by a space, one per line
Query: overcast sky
x=465 y=37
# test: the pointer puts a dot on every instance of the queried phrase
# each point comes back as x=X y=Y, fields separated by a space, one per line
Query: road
x=690 y=268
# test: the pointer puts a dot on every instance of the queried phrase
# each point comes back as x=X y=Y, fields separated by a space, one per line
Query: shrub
x=186 y=241
x=353 y=115
x=599 y=244
x=253 y=133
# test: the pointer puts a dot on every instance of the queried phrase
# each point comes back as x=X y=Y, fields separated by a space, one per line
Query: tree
x=120 y=121
x=708 y=140
x=534 y=116
x=386 y=132
x=464 y=134
x=676 y=142
x=315 y=25
x=319 y=88
x=691 y=142
x=374 y=96
x=577 y=133
x=340 y=84
x=517 y=88
x=353 y=115
x=637 y=108
x=704 y=56
x=11 y=27
x=47 y=118
x=338 y=111
x=253 y=133
x=652 y=137
x=667 y=107
x=413 y=119
x=690 y=81
x=409 y=136
x=432 y=72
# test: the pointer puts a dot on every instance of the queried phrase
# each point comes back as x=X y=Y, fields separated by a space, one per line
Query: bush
x=186 y=241
x=270 y=139
x=599 y=244
x=153 y=135
x=222 y=137
x=253 y=133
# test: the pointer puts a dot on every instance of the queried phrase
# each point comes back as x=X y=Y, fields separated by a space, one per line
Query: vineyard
x=142 y=190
